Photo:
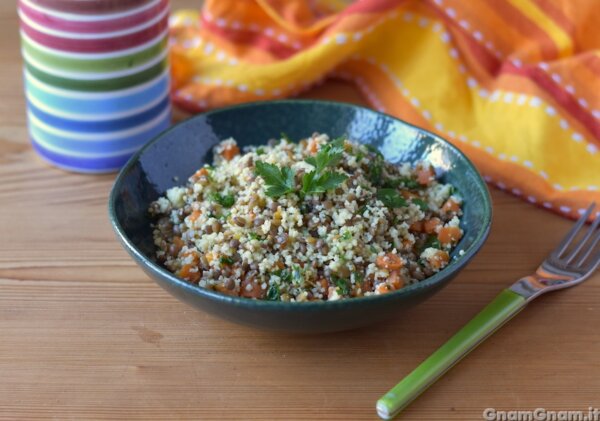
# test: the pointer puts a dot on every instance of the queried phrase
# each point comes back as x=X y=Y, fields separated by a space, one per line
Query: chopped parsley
x=359 y=277
x=254 y=236
x=225 y=200
x=343 y=287
x=285 y=136
x=297 y=276
x=432 y=241
x=375 y=172
x=347 y=235
x=374 y=150
x=273 y=293
x=421 y=204
x=284 y=275
x=260 y=151
x=391 y=198
x=408 y=182
x=225 y=260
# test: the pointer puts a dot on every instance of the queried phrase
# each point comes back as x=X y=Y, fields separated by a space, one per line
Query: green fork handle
x=494 y=315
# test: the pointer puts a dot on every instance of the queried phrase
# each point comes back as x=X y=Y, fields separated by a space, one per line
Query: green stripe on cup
x=98 y=85
x=91 y=65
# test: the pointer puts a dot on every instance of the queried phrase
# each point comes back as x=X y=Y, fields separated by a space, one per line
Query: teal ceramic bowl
x=174 y=155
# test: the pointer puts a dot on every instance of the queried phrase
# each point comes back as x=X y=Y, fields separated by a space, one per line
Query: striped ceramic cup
x=96 y=78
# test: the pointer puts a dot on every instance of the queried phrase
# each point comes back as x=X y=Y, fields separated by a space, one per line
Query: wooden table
x=84 y=334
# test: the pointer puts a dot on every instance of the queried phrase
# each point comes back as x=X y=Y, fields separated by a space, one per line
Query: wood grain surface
x=84 y=334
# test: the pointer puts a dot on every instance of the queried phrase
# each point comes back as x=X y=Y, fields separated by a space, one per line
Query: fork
x=571 y=262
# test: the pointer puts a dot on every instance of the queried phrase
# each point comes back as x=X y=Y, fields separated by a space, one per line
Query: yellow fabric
x=514 y=83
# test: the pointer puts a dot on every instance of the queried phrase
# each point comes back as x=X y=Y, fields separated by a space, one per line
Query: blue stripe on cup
x=127 y=101
x=98 y=147
x=81 y=164
x=99 y=126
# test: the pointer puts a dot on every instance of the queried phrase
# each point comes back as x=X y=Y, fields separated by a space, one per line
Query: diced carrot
x=202 y=172
x=449 y=235
x=195 y=215
x=189 y=275
x=425 y=175
x=430 y=226
x=249 y=288
x=416 y=226
x=367 y=284
x=324 y=284
x=230 y=151
x=389 y=261
x=178 y=243
x=408 y=194
x=382 y=288
x=450 y=206
x=407 y=243
x=395 y=280
x=313 y=146
x=194 y=254
x=439 y=259
x=223 y=289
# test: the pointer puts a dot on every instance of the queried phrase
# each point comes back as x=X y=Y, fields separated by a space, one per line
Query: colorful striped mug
x=96 y=78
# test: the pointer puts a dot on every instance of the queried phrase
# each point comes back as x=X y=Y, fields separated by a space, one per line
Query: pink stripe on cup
x=90 y=6
x=100 y=26
x=100 y=45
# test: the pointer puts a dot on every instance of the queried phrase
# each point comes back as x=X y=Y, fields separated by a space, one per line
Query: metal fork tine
x=595 y=242
x=564 y=244
x=584 y=240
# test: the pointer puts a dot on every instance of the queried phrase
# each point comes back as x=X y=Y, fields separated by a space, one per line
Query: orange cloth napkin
x=513 y=83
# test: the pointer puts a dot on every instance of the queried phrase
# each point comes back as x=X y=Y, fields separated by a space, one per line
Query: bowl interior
x=176 y=154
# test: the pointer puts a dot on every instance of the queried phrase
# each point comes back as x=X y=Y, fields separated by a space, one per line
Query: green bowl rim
x=454 y=267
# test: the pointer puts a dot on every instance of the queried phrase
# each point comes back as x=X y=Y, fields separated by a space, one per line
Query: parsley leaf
x=391 y=198
x=253 y=236
x=278 y=181
x=273 y=293
x=328 y=156
x=260 y=151
x=347 y=235
x=421 y=204
x=225 y=200
x=313 y=183
x=318 y=181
